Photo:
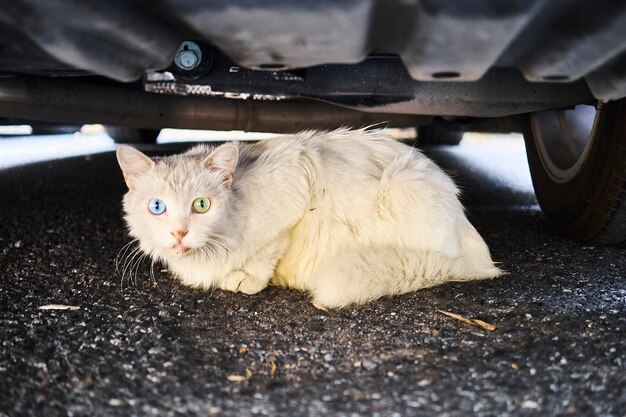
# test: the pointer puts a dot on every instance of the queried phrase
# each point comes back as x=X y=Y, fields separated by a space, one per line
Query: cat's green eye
x=201 y=204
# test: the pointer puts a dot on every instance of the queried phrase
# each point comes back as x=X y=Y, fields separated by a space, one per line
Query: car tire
x=130 y=135
x=578 y=166
x=438 y=134
x=42 y=128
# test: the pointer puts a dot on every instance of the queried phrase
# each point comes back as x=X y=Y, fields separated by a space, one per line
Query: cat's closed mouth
x=181 y=250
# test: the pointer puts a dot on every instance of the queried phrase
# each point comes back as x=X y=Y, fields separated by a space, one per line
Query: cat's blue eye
x=156 y=206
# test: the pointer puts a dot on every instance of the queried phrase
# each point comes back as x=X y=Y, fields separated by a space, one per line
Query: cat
x=347 y=215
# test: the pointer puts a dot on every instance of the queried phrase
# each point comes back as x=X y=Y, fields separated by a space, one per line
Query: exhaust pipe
x=77 y=102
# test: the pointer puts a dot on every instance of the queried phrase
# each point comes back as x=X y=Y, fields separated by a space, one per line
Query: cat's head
x=178 y=204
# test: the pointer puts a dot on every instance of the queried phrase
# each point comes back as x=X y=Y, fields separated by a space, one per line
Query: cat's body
x=348 y=215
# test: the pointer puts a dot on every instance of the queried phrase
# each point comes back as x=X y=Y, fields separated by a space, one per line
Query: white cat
x=347 y=215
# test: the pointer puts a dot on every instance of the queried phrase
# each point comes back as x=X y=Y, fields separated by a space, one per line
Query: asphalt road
x=153 y=347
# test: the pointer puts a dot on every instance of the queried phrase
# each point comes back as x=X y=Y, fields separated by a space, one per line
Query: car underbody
x=458 y=60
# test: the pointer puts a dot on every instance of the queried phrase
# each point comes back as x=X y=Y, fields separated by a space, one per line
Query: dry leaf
x=59 y=307
x=484 y=325
x=273 y=370
x=473 y=322
x=320 y=307
x=240 y=378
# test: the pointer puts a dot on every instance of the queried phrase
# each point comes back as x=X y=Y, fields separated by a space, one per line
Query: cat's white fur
x=347 y=215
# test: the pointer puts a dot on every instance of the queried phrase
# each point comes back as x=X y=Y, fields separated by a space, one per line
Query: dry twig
x=473 y=322
x=59 y=307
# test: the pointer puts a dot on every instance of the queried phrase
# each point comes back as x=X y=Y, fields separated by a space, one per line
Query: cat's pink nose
x=179 y=234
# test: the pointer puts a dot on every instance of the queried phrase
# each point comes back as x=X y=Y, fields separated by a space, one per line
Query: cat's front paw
x=239 y=281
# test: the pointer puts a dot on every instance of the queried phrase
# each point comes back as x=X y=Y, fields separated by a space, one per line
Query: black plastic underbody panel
x=377 y=84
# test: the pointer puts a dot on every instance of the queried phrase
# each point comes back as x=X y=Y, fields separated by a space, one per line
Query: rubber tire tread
x=122 y=134
x=592 y=206
x=435 y=134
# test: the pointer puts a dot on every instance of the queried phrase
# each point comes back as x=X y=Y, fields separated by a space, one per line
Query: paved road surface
x=153 y=347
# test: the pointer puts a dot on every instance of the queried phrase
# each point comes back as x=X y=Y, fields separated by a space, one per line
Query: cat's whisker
x=143 y=258
x=154 y=281
x=127 y=247
x=208 y=250
x=122 y=253
x=131 y=273
x=124 y=263
x=135 y=268
x=129 y=254
x=127 y=257
x=230 y=241
x=131 y=267
x=215 y=240
x=130 y=258
x=211 y=249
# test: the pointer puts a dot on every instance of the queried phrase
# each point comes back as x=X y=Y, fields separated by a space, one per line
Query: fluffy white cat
x=348 y=215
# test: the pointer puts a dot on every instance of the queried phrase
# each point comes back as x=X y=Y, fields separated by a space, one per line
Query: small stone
x=531 y=405
x=214 y=411
x=114 y=402
x=423 y=383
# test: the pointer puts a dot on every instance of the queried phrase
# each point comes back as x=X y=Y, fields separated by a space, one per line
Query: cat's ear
x=132 y=162
x=224 y=159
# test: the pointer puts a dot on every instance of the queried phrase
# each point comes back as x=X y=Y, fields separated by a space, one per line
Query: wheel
x=577 y=160
x=130 y=135
x=438 y=134
x=43 y=128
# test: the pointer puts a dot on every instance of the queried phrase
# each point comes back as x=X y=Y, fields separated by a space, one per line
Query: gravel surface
x=149 y=346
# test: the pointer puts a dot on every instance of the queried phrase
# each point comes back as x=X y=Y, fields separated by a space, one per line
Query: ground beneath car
x=153 y=347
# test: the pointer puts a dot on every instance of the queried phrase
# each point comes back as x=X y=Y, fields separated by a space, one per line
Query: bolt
x=188 y=56
x=187 y=59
